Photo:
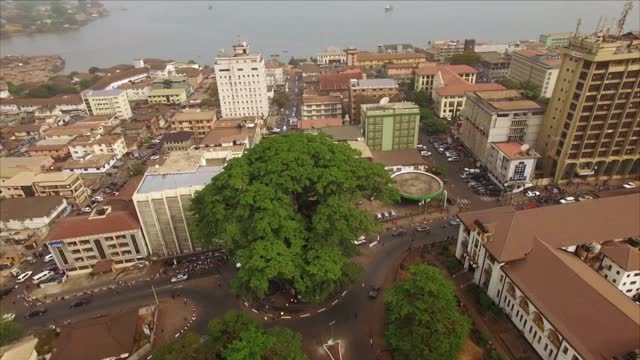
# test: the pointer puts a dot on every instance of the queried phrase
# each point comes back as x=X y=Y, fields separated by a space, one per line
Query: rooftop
x=551 y=59
x=118 y=76
x=314 y=99
x=193 y=115
x=460 y=89
x=177 y=136
x=309 y=68
x=623 y=254
x=29 y=207
x=91 y=161
x=161 y=182
x=513 y=150
x=112 y=92
x=33 y=163
x=494 y=57
x=319 y=123
x=368 y=56
x=56 y=100
x=417 y=185
x=376 y=83
x=51 y=142
x=405 y=105
x=86 y=226
x=361 y=146
x=504 y=100
x=226 y=135
x=404 y=157
x=595 y=221
x=344 y=133
x=339 y=81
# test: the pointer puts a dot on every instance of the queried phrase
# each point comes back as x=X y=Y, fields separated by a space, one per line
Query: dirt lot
x=29 y=69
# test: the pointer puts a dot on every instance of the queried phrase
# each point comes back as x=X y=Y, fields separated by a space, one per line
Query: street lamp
x=331 y=324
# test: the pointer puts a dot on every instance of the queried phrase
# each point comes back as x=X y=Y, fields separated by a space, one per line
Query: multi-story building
x=538 y=67
x=274 y=71
x=163 y=199
x=177 y=141
x=10 y=166
x=82 y=146
x=511 y=164
x=31 y=213
x=499 y=116
x=64 y=103
x=396 y=49
x=621 y=266
x=369 y=91
x=77 y=243
x=27 y=184
x=556 y=40
x=592 y=124
x=90 y=164
x=539 y=267
x=371 y=60
x=119 y=78
x=443 y=49
x=194 y=76
x=391 y=126
x=200 y=123
x=107 y=102
x=493 y=66
x=332 y=56
x=138 y=91
x=321 y=107
x=170 y=90
x=230 y=132
x=56 y=148
x=242 y=84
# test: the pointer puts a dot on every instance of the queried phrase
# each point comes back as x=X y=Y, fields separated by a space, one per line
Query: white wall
x=626 y=281
x=242 y=86
x=33 y=223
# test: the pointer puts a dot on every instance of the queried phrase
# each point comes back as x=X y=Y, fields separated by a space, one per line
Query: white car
x=568 y=200
x=452 y=159
x=98 y=199
x=628 y=185
x=154 y=157
x=24 y=276
x=179 y=277
x=275 y=130
x=7 y=317
x=86 y=209
x=48 y=258
x=532 y=193
x=361 y=240
x=425 y=153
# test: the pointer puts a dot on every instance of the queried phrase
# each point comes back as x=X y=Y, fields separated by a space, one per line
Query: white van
x=42 y=276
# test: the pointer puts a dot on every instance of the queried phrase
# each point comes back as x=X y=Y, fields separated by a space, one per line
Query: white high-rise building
x=242 y=85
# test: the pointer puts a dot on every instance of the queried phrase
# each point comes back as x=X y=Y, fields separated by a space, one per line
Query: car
x=452 y=159
x=48 y=258
x=154 y=157
x=471 y=170
x=35 y=312
x=30 y=260
x=628 y=185
x=24 y=276
x=423 y=228
x=275 y=130
x=567 y=200
x=421 y=147
x=52 y=267
x=97 y=199
x=374 y=291
x=15 y=272
x=179 y=277
x=425 y=153
x=454 y=222
x=379 y=216
x=361 y=240
x=398 y=232
x=7 y=317
x=80 y=303
x=86 y=209
x=532 y=193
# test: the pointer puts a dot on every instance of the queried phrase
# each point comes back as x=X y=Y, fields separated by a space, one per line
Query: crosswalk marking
x=488 y=198
x=464 y=201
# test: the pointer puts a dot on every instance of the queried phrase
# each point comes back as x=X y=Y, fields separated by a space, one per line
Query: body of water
x=184 y=30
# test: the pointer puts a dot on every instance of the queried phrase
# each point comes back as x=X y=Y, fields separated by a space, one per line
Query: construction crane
x=623 y=16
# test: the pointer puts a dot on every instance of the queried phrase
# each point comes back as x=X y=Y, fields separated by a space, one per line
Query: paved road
x=210 y=292
x=294 y=91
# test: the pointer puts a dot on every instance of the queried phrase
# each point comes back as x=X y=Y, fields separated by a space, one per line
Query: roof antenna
x=577 y=27
x=598 y=25
x=623 y=16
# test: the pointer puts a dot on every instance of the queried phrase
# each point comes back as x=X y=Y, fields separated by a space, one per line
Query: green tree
x=186 y=347
x=136 y=169
x=93 y=70
x=280 y=99
x=192 y=62
x=15 y=89
x=87 y=83
x=438 y=169
x=467 y=58
x=57 y=9
x=285 y=210
x=294 y=62
x=228 y=329
x=423 y=318
x=41 y=91
x=9 y=332
x=422 y=99
x=432 y=123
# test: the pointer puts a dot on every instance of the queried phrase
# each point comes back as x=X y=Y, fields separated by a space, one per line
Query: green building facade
x=556 y=40
x=391 y=126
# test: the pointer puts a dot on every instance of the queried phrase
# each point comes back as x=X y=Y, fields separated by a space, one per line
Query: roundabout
x=418 y=185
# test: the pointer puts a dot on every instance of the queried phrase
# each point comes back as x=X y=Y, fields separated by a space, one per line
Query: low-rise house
x=400 y=71
x=10 y=166
x=58 y=183
x=138 y=91
x=539 y=267
x=344 y=133
x=511 y=164
x=79 y=242
x=177 y=141
x=338 y=83
x=311 y=84
x=56 y=148
x=400 y=160
x=621 y=266
x=319 y=123
x=77 y=129
x=274 y=73
x=200 y=123
x=30 y=131
x=82 y=146
x=90 y=164
x=119 y=78
x=233 y=131
x=332 y=55
x=194 y=76
x=309 y=68
x=64 y=103
x=31 y=213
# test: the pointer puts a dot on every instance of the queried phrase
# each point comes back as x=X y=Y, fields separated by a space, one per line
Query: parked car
x=15 y=272
x=454 y=222
x=86 y=210
x=7 y=317
x=97 y=199
x=423 y=228
x=30 y=260
x=80 y=303
x=179 y=277
x=398 y=232
x=48 y=258
x=154 y=157
x=374 y=291
x=628 y=185
x=567 y=200
x=452 y=159
x=361 y=240
x=392 y=214
x=24 y=276
x=41 y=277
x=425 y=153
x=35 y=312
x=532 y=193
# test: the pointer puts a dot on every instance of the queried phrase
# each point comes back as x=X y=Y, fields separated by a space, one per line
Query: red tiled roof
x=461 y=69
x=367 y=56
x=427 y=70
x=340 y=81
x=458 y=89
x=319 y=123
x=83 y=226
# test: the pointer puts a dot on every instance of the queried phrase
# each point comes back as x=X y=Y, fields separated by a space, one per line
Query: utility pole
x=155 y=295
x=331 y=324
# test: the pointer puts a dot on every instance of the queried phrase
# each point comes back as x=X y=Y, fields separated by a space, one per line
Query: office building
x=200 y=123
x=321 y=107
x=499 y=116
x=396 y=49
x=332 y=55
x=538 y=67
x=441 y=50
x=242 y=85
x=371 y=60
x=163 y=198
x=592 y=125
x=369 y=91
x=493 y=66
x=82 y=146
x=555 y=40
x=77 y=243
x=66 y=184
x=539 y=266
x=107 y=102
x=391 y=126
x=170 y=90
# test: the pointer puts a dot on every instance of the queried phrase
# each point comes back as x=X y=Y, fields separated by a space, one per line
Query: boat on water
x=388 y=8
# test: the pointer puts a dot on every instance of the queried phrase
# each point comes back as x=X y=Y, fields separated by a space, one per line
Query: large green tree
x=9 y=332
x=280 y=99
x=423 y=318
x=285 y=209
x=467 y=58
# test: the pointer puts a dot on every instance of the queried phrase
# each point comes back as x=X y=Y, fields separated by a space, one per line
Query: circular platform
x=418 y=185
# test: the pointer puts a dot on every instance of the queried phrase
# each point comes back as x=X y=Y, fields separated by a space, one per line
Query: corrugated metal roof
x=161 y=182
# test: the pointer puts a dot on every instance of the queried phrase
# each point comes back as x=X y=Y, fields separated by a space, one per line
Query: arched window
x=524 y=305
x=554 y=338
x=511 y=290
x=537 y=319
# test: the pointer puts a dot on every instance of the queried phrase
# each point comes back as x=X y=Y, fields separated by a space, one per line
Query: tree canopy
x=467 y=58
x=280 y=99
x=528 y=88
x=432 y=123
x=9 y=332
x=286 y=210
x=423 y=318
x=235 y=336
